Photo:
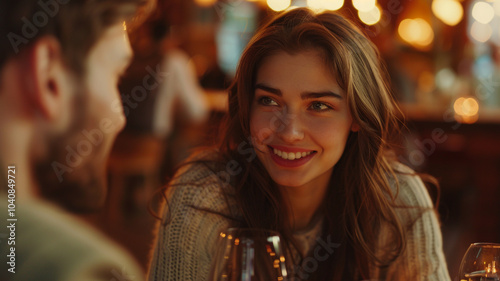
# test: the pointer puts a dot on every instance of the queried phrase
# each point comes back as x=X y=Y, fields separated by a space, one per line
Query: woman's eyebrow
x=314 y=95
x=268 y=89
x=304 y=96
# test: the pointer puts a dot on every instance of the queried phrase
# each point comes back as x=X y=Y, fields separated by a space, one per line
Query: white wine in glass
x=246 y=254
x=481 y=262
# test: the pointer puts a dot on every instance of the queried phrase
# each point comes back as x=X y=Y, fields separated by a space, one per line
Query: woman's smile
x=290 y=157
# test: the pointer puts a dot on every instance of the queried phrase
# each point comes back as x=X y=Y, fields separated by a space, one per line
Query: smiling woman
x=310 y=96
x=316 y=121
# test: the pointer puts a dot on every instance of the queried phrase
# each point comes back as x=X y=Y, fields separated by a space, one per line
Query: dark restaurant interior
x=443 y=57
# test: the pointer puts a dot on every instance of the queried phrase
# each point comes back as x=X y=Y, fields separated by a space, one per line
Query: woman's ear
x=45 y=77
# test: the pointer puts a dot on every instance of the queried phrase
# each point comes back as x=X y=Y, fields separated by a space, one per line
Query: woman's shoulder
x=200 y=167
x=408 y=188
x=198 y=183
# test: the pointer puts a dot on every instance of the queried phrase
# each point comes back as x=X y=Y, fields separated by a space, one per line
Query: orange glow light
x=466 y=110
x=448 y=11
x=417 y=32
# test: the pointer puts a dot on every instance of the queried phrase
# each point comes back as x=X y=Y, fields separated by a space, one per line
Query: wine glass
x=481 y=262
x=249 y=254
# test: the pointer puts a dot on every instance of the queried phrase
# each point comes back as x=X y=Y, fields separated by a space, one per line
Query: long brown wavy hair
x=359 y=197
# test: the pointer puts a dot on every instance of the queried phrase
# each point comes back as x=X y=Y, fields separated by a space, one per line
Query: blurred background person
x=180 y=86
x=180 y=102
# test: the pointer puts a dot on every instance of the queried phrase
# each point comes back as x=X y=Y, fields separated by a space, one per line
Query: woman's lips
x=290 y=157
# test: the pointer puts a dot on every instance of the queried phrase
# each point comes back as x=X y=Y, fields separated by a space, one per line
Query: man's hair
x=77 y=24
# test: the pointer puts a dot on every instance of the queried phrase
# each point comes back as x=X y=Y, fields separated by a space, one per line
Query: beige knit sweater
x=187 y=237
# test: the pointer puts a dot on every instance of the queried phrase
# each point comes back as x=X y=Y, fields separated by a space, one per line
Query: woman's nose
x=291 y=128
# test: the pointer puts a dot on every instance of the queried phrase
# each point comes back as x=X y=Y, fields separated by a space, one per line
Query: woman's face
x=299 y=119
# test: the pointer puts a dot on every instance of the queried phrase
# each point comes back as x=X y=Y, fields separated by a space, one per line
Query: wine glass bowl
x=245 y=254
x=481 y=262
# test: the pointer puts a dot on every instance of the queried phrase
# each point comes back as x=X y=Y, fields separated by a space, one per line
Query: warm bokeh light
x=331 y=5
x=466 y=106
x=205 y=3
x=466 y=110
x=445 y=79
x=483 y=12
x=450 y=12
x=480 y=32
x=278 y=5
x=496 y=7
x=417 y=32
x=371 y=17
x=364 y=5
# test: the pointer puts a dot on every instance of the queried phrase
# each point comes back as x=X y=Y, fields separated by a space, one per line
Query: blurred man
x=60 y=62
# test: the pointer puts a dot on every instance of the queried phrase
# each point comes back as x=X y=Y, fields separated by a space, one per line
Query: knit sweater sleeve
x=423 y=259
x=188 y=236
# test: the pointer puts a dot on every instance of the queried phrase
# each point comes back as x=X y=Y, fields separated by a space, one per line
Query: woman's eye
x=319 y=106
x=267 y=101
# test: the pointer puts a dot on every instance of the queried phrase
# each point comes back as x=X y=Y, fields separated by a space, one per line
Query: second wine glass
x=481 y=262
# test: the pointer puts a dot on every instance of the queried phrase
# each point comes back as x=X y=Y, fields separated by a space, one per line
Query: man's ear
x=46 y=77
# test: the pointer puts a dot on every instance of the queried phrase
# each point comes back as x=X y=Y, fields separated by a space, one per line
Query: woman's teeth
x=290 y=155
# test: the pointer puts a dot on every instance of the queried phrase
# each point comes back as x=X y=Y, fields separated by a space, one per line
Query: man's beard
x=78 y=186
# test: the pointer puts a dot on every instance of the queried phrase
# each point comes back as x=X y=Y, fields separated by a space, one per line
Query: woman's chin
x=288 y=181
